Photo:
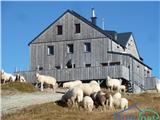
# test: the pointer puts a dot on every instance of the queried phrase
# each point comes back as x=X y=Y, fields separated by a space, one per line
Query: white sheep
x=118 y=102
x=72 y=84
x=122 y=88
x=20 y=78
x=7 y=77
x=89 y=88
x=46 y=79
x=88 y=103
x=158 y=87
x=94 y=86
x=113 y=83
x=124 y=103
x=75 y=95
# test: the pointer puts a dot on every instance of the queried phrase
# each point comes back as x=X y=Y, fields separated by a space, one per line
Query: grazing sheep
x=94 y=86
x=123 y=88
x=46 y=79
x=117 y=95
x=20 y=78
x=124 y=103
x=88 y=103
x=158 y=87
x=118 y=102
x=72 y=84
x=100 y=98
x=74 y=95
x=113 y=83
x=89 y=88
x=6 y=77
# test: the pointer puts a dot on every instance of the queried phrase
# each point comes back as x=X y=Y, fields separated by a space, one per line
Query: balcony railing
x=87 y=73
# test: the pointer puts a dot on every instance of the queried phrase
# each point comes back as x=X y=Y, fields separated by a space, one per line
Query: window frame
x=77 y=28
x=87 y=49
x=49 y=49
x=69 y=50
x=59 y=29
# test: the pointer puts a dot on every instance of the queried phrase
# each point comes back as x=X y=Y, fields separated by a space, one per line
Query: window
x=58 y=67
x=117 y=46
x=69 y=64
x=70 y=48
x=50 y=50
x=59 y=30
x=114 y=63
x=88 y=65
x=77 y=28
x=87 y=47
x=39 y=68
x=104 y=64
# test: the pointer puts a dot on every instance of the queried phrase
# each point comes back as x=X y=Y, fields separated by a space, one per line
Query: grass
x=52 y=111
x=18 y=86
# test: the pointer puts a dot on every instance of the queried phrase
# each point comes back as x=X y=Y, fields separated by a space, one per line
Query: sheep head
x=37 y=75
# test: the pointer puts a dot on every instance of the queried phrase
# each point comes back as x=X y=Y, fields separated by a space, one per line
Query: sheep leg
x=41 y=86
x=36 y=85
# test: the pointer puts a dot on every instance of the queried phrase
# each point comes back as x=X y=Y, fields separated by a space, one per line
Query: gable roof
x=81 y=18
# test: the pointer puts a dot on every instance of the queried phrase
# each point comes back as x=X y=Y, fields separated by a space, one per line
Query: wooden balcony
x=87 y=73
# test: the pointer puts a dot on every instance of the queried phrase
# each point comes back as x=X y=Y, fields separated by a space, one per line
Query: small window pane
x=88 y=65
x=50 y=50
x=59 y=29
x=115 y=63
x=70 y=48
x=104 y=64
x=87 y=47
x=77 y=28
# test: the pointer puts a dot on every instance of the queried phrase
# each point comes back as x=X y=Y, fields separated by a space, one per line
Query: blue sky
x=22 y=21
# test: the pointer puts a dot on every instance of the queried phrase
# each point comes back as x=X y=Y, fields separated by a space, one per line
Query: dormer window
x=59 y=30
x=77 y=28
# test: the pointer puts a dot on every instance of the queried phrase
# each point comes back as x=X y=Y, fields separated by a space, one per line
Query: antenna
x=103 y=23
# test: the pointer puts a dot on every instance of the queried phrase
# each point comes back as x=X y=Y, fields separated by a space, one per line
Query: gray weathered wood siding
x=129 y=69
x=90 y=73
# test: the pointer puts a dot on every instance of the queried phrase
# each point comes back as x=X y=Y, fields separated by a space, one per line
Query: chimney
x=93 y=18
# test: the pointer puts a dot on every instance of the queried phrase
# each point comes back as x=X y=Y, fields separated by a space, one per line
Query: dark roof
x=122 y=38
x=130 y=56
x=84 y=20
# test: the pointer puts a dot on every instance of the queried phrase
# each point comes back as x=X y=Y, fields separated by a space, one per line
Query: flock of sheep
x=7 y=77
x=88 y=95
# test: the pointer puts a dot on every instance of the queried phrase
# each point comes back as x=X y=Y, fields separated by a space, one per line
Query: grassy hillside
x=17 y=86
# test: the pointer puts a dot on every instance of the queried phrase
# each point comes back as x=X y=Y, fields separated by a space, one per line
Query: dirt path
x=12 y=103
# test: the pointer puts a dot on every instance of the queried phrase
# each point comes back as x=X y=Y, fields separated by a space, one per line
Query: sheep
x=118 y=102
x=89 y=88
x=100 y=98
x=20 y=78
x=6 y=77
x=113 y=83
x=122 y=88
x=158 y=87
x=72 y=84
x=94 y=86
x=74 y=95
x=46 y=79
x=88 y=103
x=124 y=103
